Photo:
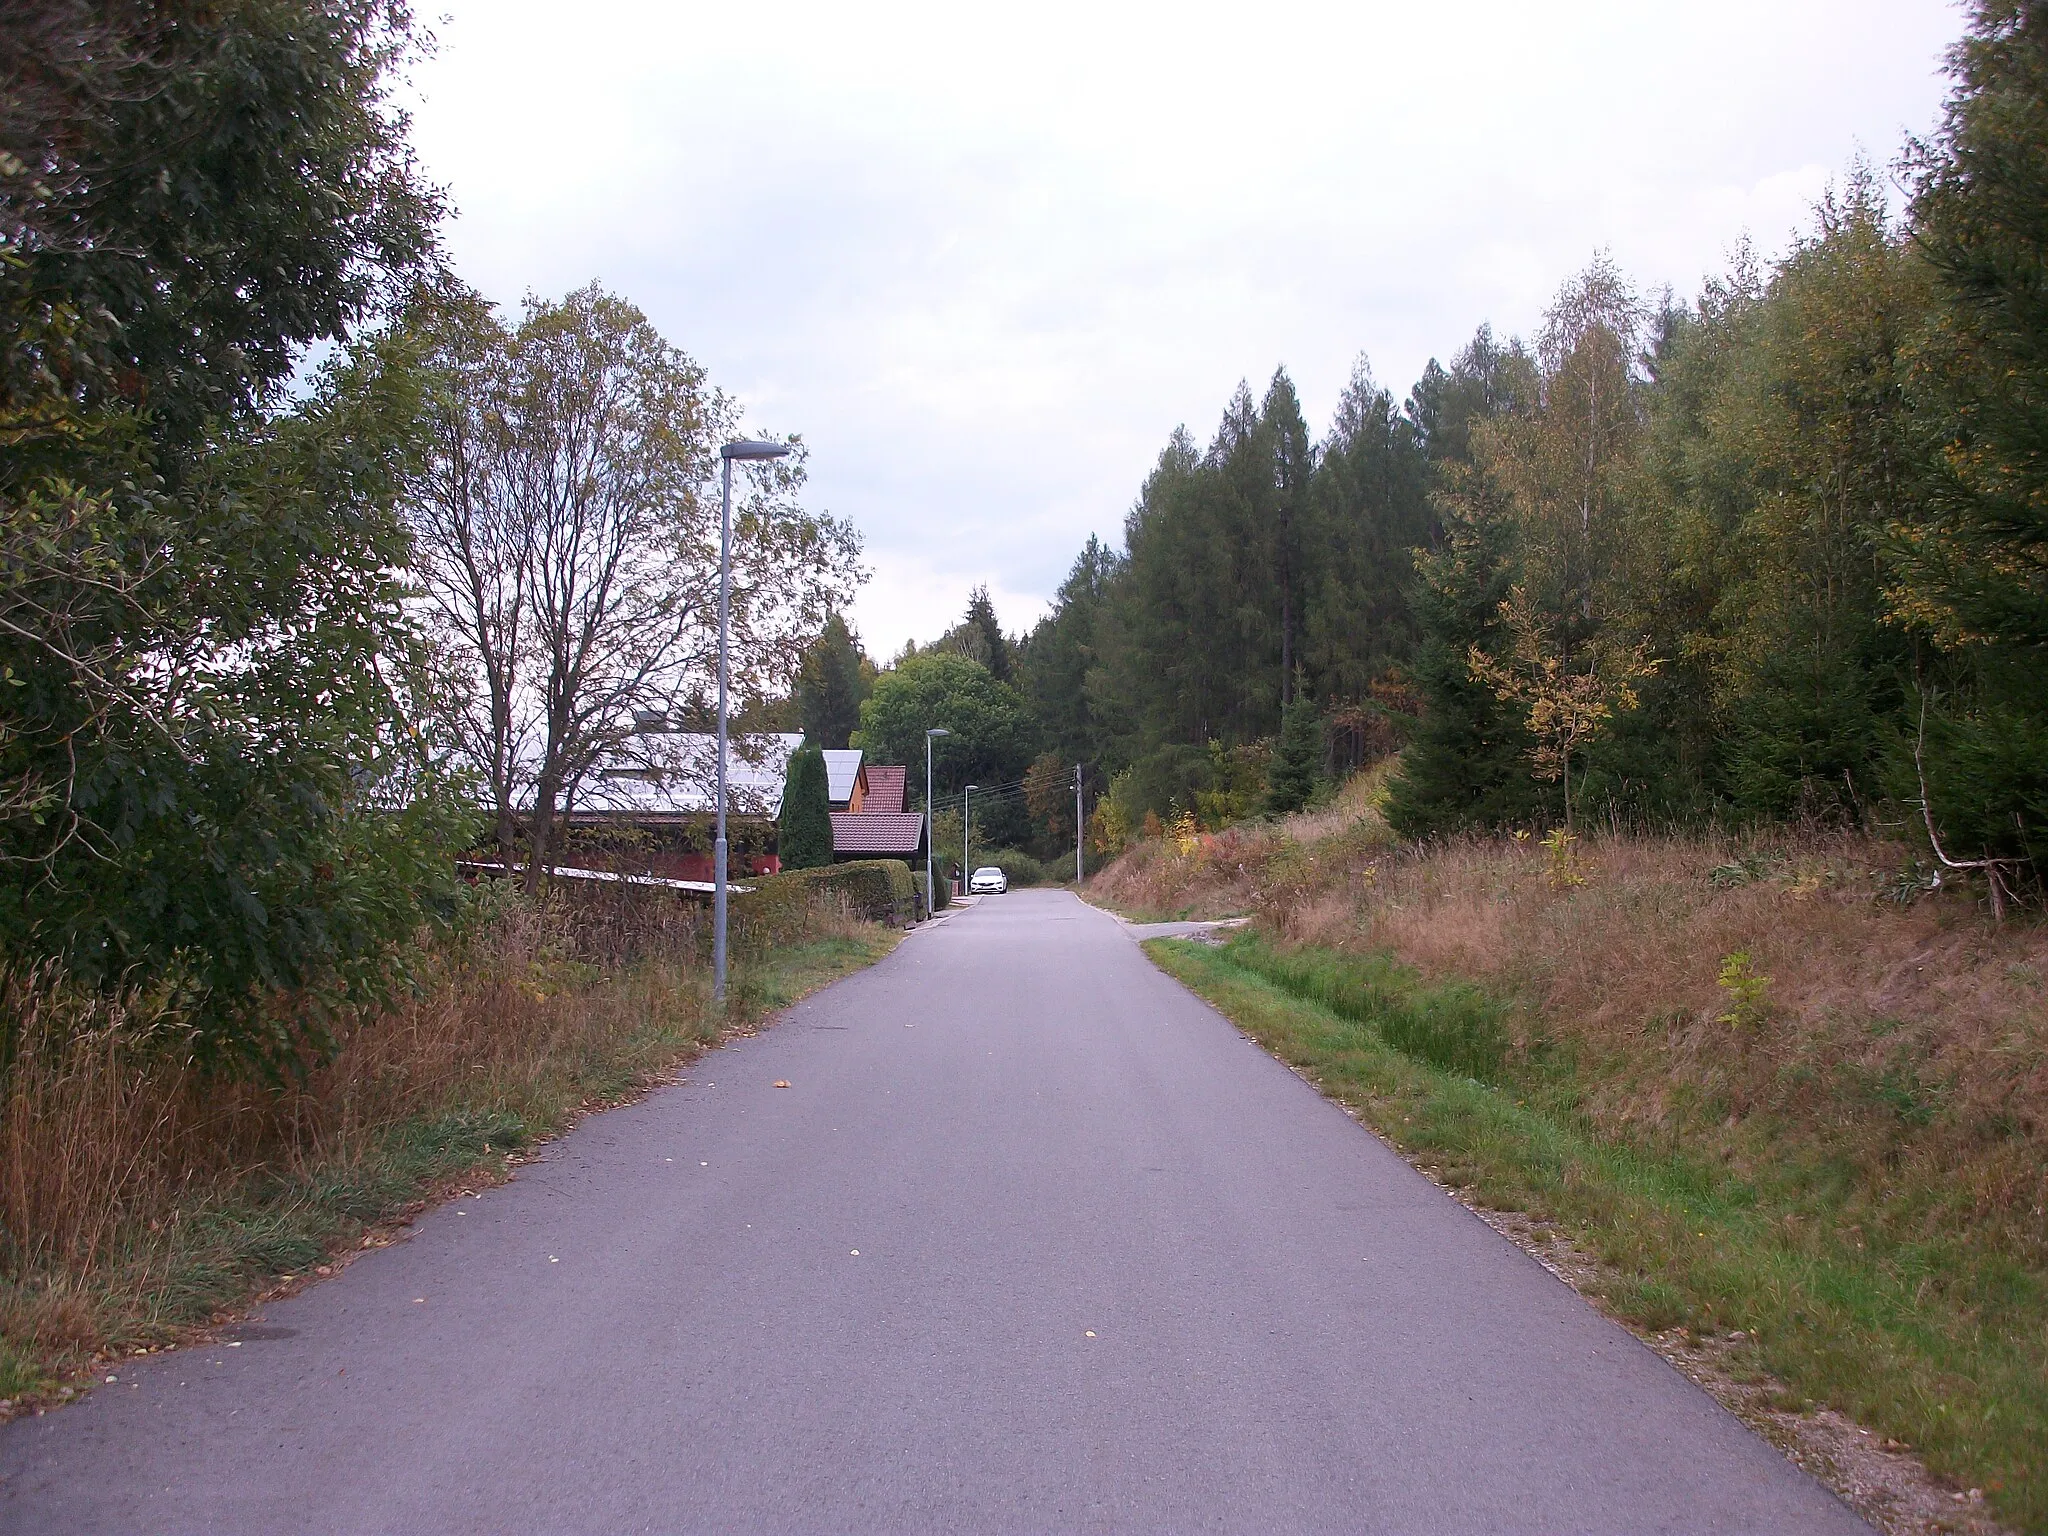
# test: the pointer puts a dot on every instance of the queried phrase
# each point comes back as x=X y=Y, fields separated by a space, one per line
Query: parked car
x=988 y=881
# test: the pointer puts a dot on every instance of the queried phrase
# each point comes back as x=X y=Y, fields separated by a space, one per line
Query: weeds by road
x=1937 y=1338
x=140 y=1200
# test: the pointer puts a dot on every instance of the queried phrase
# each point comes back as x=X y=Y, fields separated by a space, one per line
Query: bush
x=806 y=841
x=880 y=890
x=1018 y=868
x=941 y=884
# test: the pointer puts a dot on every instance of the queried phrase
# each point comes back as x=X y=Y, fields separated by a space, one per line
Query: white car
x=987 y=881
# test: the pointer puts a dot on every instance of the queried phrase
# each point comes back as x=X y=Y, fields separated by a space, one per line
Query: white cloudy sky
x=986 y=258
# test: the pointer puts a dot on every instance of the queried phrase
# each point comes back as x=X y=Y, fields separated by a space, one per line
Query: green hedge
x=1022 y=869
x=879 y=890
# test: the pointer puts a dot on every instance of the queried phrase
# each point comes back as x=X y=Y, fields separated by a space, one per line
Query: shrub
x=806 y=841
x=941 y=895
x=1020 y=868
x=880 y=890
x=1291 y=779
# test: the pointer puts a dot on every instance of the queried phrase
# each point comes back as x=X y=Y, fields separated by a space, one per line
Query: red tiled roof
x=885 y=789
x=876 y=831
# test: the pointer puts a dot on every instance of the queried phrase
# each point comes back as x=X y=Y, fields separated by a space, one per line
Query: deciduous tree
x=573 y=566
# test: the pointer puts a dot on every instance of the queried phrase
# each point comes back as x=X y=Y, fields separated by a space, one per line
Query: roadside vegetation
x=1768 y=553
x=143 y=1196
x=295 y=613
x=1779 y=1085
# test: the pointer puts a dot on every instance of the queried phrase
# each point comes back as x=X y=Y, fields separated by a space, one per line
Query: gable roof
x=885 y=789
x=897 y=832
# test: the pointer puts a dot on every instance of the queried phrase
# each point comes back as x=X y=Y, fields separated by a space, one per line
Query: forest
x=1778 y=553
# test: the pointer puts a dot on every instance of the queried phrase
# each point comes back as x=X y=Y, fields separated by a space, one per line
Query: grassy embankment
x=1774 y=1087
x=140 y=1200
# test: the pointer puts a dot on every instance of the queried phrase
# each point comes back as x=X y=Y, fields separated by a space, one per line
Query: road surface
x=1034 y=1241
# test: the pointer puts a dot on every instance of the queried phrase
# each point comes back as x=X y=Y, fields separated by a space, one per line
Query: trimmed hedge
x=880 y=890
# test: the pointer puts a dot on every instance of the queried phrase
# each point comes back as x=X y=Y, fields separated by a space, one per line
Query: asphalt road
x=1034 y=1242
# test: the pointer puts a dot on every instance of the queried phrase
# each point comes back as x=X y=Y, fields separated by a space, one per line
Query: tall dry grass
x=1799 y=1005
x=138 y=1191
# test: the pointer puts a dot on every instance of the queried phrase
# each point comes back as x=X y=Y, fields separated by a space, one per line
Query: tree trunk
x=540 y=836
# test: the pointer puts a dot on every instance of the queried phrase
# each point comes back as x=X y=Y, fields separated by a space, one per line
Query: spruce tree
x=834 y=678
x=1291 y=781
x=993 y=649
x=1972 y=570
x=806 y=830
x=1976 y=570
x=1467 y=764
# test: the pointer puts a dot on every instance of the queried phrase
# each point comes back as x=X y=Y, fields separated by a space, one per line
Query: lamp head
x=753 y=448
x=938 y=730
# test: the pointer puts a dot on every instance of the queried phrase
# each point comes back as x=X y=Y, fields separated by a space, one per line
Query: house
x=842 y=773
x=649 y=807
x=874 y=824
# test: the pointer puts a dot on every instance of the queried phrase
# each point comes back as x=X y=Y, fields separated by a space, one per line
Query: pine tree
x=806 y=828
x=1291 y=780
x=993 y=651
x=834 y=678
x=1468 y=763
x=1369 y=508
x=1973 y=570
x=1057 y=662
x=1976 y=571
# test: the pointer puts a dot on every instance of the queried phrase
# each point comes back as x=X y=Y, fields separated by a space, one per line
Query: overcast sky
x=985 y=259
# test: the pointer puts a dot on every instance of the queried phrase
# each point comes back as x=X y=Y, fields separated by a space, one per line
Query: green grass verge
x=226 y=1245
x=1941 y=1345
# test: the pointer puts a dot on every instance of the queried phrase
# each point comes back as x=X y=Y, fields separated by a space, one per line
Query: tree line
x=1778 y=552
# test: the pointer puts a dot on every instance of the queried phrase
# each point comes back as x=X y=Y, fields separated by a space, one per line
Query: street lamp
x=745 y=448
x=931 y=904
x=963 y=831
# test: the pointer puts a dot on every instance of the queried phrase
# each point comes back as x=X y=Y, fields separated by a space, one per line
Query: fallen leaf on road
x=782 y=1082
x=1089 y=1334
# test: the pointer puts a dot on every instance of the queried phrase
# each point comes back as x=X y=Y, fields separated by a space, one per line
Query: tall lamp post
x=930 y=898
x=744 y=448
x=964 y=789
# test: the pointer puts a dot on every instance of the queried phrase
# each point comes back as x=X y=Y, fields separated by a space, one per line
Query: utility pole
x=966 y=877
x=1077 y=824
x=748 y=449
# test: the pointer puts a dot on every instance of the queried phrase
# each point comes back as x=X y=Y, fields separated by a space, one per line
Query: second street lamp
x=745 y=448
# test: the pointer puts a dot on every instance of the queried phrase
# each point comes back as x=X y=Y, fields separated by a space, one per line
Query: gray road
x=1117 y=1270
